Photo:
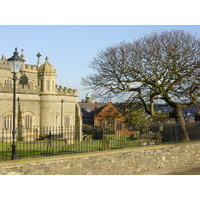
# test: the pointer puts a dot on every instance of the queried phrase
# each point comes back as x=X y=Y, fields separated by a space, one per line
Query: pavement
x=183 y=170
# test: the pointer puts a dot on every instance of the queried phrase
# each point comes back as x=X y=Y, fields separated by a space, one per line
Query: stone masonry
x=41 y=102
x=115 y=162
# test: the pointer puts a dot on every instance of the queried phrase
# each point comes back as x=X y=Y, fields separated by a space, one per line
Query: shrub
x=131 y=137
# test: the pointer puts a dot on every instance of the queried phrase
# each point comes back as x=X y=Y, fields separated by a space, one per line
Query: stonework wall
x=114 y=162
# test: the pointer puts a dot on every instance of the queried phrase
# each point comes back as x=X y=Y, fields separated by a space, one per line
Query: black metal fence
x=51 y=141
x=172 y=132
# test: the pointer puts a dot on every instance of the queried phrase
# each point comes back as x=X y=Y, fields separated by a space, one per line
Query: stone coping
x=60 y=158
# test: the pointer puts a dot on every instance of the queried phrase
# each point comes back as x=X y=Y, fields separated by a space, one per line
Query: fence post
x=105 y=143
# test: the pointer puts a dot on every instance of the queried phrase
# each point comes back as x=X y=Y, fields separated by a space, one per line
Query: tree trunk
x=181 y=122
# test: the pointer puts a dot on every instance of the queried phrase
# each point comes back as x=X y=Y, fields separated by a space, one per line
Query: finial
x=15 y=53
x=38 y=55
x=47 y=58
x=22 y=54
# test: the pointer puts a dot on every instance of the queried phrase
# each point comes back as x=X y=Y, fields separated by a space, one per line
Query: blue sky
x=70 y=48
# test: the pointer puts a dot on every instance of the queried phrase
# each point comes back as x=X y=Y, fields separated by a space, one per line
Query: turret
x=88 y=98
x=47 y=78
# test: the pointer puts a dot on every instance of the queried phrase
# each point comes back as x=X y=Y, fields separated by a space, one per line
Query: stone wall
x=116 y=162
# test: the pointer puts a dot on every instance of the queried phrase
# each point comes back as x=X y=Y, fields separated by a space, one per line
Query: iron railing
x=51 y=141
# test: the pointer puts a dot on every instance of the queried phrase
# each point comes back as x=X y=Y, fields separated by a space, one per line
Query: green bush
x=97 y=134
x=87 y=130
x=131 y=137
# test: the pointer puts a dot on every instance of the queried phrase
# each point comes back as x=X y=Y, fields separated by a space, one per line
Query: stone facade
x=115 y=162
x=41 y=103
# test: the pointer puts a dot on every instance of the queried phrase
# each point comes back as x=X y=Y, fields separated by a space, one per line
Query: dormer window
x=88 y=109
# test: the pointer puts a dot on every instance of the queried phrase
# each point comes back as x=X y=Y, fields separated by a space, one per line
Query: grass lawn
x=59 y=147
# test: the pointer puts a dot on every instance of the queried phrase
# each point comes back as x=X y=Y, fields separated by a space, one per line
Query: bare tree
x=157 y=67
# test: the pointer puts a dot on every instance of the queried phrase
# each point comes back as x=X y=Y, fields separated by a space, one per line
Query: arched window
x=8 y=82
x=8 y=118
x=67 y=119
x=41 y=86
x=31 y=83
x=28 y=117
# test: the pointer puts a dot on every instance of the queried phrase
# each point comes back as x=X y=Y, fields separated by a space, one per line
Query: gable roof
x=108 y=111
x=89 y=109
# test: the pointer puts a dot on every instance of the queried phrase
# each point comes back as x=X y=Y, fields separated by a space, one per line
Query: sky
x=71 y=48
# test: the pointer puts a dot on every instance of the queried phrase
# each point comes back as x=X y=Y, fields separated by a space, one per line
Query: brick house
x=101 y=114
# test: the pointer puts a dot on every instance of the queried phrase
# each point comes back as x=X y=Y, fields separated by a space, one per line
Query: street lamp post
x=15 y=63
x=62 y=117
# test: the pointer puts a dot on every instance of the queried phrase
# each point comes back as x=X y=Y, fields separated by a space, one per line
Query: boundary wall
x=114 y=162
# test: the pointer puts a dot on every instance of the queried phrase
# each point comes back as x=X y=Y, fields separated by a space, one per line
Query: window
x=8 y=118
x=88 y=109
x=53 y=86
x=48 y=85
x=109 y=122
x=67 y=119
x=8 y=82
x=119 y=125
x=41 y=86
x=28 y=121
x=110 y=110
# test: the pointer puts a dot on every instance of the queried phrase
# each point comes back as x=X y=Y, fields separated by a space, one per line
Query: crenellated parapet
x=21 y=89
x=4 y=64
x=66 y=91
x=29 y=89
x=27 y=67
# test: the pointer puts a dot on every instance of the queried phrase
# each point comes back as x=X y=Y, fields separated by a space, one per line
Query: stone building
x=41 y=103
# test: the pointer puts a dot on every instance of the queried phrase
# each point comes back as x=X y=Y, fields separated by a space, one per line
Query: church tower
x=47 y=78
